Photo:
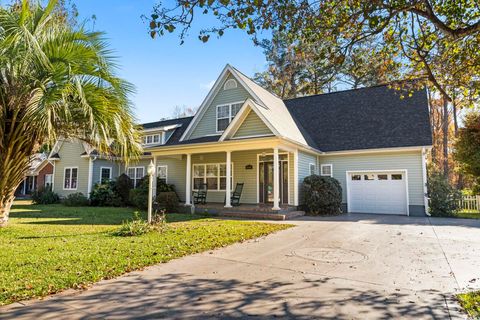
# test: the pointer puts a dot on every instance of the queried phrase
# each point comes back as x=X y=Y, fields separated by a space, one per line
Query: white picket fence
x=470 y=203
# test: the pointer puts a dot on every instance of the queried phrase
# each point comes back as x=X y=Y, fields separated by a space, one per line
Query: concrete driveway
x=347 y=267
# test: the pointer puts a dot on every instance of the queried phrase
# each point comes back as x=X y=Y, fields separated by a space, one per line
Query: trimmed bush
x=322 y=195
x=139 y=196
x=443 y=197
x=44 y=196
x=123 y=185
x=105 y=195
x=167 y=201
x=77 y=199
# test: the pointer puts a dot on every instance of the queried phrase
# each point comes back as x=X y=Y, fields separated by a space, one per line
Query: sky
x=165 y=73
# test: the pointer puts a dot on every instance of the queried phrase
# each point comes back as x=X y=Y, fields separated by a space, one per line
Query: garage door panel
x=380 y=195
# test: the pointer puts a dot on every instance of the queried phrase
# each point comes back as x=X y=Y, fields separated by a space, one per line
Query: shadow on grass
x=183 y=296
x=62 y=215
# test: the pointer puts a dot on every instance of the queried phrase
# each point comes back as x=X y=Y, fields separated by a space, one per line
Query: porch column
x=154 y=189
x=228 y=193
x=276 y=180
x=188 y=182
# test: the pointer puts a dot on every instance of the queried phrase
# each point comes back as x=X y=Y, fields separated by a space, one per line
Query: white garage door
x=377 y=192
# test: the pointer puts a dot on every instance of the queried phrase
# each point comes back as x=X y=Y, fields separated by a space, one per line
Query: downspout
x=424 y=175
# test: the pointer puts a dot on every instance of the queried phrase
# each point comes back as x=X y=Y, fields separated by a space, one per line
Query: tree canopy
x=57 y=81
x=434 y=40
x=467 y=148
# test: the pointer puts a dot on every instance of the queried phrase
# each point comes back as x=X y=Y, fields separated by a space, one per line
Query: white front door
x=377 y=192
x=48 y=180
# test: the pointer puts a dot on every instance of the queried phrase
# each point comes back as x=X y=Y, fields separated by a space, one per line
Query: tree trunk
x=5 y=205
x=445 y=137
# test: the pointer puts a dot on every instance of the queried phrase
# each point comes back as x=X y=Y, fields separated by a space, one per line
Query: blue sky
x=164 y=72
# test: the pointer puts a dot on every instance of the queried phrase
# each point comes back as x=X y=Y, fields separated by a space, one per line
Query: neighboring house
x=371 y=140
x=40 y=174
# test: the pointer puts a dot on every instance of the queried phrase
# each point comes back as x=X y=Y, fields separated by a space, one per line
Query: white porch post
x=228 y=192
x=276 y=180
x=188 y=182
x=295 y=178
x=154 y=189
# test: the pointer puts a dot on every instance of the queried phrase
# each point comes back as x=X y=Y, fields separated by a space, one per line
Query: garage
x=382 y=192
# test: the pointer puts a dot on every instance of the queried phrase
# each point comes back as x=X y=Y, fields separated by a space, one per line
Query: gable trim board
x=248 y=106
x=211 y=94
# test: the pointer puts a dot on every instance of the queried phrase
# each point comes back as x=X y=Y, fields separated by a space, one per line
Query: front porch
x=268 y=172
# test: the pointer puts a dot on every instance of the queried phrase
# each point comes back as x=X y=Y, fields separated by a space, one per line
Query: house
x=369 y=139
x=39 y=174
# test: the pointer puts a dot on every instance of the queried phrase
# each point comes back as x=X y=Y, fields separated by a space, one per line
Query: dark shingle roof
x=367 y=118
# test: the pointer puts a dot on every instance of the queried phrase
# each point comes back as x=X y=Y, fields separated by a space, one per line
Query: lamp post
x=151 y=173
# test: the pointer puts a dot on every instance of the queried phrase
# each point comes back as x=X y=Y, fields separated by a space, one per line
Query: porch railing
x=470 y=203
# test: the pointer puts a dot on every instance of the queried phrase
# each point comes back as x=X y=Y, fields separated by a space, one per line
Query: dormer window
x=226 y=113
x=153 y=138
x=230 y=84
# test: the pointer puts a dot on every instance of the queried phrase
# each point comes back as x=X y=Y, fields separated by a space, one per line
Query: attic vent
x=230 y=84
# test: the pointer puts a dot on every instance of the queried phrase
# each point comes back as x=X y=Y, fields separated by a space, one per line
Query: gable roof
x=271 y=108
x=366 y=118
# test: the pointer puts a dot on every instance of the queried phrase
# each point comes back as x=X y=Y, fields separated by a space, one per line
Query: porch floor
x=250 y=211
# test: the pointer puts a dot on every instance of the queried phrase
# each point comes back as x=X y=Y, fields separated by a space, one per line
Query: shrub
x=77 y=199
x=443 y=197
x=44 y=196
x=135 y=227
x=139 y=196
x=105 y=195
x=164 y=187
x=322 y=195
x=123 y=185
x=167 y=201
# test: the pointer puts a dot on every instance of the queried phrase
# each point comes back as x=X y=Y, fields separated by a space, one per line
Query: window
x=226 y=113
x=382 y=177
x=105 y=174
x=153 y=138
x=162 y=173
x=369 y=177
x=213 y=174
x=312 y=168
x=356 y=177
x=397 y=176
x=136 y=174
x=230 y=84
x=326 y=170
x=48 y=180
x=70 y=179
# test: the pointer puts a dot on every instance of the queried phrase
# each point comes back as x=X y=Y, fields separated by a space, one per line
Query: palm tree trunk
x=5 y=205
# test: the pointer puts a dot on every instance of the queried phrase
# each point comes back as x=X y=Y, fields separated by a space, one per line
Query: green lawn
x=470 y=302
x=46 y=249
x=468 y=214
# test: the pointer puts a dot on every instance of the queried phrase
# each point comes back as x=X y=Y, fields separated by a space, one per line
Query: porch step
x=262 y=215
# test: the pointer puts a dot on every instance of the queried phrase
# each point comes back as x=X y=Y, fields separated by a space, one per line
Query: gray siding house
x=369 y=139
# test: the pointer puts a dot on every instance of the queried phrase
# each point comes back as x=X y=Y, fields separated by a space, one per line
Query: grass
x=468 y=214
x=470 y=302
x=47 y=249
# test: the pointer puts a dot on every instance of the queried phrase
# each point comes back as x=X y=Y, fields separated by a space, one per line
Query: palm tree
x=56 y=80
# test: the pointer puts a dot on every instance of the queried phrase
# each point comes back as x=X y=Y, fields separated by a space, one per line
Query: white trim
x=228 y=179
x=53 y=180
x=162 y=128
x=295 y=179
x=110 y=175
x=135 y=179
x=379 y=150
x=166 y=170
x=248 y=106
x=405 y=171
x=90 y=176
x=188 y=185
x=64 y=176
x=288 y=179
x=310 y=168
x=205 y=175
x=211 y=94
x=230 y=118
x=425 y=181
x=326 y=165
x=276 y=179
x=230 y=81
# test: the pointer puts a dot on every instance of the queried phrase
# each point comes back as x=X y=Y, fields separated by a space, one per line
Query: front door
x=265 y=179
